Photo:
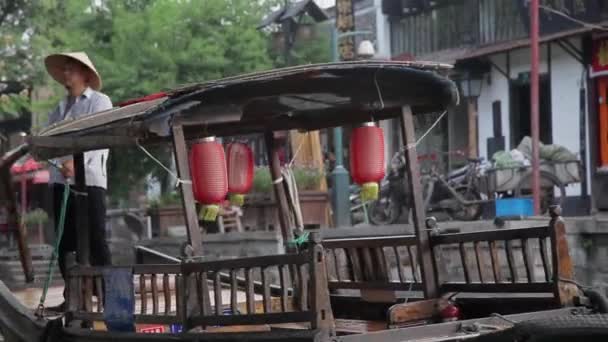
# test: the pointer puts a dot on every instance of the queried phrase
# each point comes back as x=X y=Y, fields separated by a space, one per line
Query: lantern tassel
x=209 y=212
x=369 y=191
x=237 y=199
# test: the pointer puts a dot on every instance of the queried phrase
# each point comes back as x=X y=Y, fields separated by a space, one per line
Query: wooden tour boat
x=511 y=284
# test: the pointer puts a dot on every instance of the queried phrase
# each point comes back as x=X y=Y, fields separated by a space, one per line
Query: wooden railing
x=190 y=293
x=482 y=271
x=378 y=263
x=530 y=260
x=163 y=284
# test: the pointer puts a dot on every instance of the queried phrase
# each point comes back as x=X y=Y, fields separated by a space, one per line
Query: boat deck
x=30 y=297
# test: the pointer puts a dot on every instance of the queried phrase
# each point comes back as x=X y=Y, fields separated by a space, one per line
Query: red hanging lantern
x=367 y=165
x=209 y=178
x=240 y=171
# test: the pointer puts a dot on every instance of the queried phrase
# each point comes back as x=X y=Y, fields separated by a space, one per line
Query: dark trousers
x=96 y=205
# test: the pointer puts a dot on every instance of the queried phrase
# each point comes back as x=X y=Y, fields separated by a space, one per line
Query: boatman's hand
x=67 y=168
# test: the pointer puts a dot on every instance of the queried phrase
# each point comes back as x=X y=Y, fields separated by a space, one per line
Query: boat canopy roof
x=305 y=98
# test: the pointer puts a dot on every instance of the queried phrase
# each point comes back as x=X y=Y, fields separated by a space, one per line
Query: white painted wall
x=496 y=88
x=383 y=33
x=565 y=85
x=565 y=88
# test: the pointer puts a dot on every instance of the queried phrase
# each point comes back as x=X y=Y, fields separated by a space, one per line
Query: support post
x=472 y=118
x=425 y=251
x=277 y=182
x=81 y=206
x=6 y=160
x=14 y=223
x=340 y=184
x=563 y=269
x=343 y=48
x=534 y=110
x=180 y=150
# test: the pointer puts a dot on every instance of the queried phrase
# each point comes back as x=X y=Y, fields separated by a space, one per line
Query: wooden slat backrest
x=525 y=267
x=296 y=267
x=498 y=260
x=472 y=251
x=157 y=286
x=378 y=263
x=302 y=292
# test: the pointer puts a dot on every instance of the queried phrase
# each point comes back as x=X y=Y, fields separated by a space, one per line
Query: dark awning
x=491 y=49
x=305 y=98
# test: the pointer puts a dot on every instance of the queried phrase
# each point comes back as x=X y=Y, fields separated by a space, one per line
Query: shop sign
x=599 y=60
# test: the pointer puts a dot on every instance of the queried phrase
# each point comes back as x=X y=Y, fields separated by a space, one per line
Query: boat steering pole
x=55 y=255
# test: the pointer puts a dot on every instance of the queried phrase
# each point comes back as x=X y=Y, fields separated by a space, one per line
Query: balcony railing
x=452 y=24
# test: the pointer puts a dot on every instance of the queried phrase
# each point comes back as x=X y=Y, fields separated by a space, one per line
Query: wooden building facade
x=489 y=40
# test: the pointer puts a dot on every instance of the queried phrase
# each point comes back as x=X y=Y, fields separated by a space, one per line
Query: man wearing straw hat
x=78 y=75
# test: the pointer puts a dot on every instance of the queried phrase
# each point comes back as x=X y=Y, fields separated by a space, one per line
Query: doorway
x=520 y=110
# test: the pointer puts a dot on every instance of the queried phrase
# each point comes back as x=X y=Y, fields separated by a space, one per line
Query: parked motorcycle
x=457 y=193
x=394 y=201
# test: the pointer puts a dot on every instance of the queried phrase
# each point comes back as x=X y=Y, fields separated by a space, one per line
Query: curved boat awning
x=306 y=98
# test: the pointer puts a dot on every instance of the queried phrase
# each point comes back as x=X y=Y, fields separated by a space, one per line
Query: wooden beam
x=15 y=223
x=80 y=143
x=320 y=303
x=183 y=172
x=563 y=268
x=279 y=190
x=425 y=252
x=80 y=206
x=415 y=311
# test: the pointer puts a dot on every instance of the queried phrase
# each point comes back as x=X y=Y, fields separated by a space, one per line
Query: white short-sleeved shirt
x=89 y=102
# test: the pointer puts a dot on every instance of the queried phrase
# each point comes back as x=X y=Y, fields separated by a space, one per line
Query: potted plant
x=36 y=218
x=165 y=211
x=260 y=211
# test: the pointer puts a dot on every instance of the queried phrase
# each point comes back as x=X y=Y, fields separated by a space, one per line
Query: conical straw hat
x=56 y=62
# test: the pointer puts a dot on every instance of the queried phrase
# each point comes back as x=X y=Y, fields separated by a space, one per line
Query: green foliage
x=306 y=179
x=140 y=47
x=308 y=50
x=35 y=217
x=262 y=181
x=166 y=199
x=144 y=46
x=15 y=53
x=14 y=105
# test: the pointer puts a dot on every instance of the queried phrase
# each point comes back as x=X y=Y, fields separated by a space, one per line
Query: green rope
x=55 y=255
x=300 y=240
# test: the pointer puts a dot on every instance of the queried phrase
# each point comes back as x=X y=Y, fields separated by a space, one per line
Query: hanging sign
x=345 y=22
x=599 y=60
x=150 y=329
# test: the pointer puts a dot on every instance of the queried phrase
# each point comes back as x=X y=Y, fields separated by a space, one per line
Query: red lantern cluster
x=209 y=176
x=240 y=171
x=367 y=165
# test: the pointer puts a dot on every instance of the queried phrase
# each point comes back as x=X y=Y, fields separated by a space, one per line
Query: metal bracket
x=499 y=69
x=571 y=50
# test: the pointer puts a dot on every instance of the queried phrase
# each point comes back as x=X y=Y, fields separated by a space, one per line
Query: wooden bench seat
x=197 y=303
x=515 y=267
